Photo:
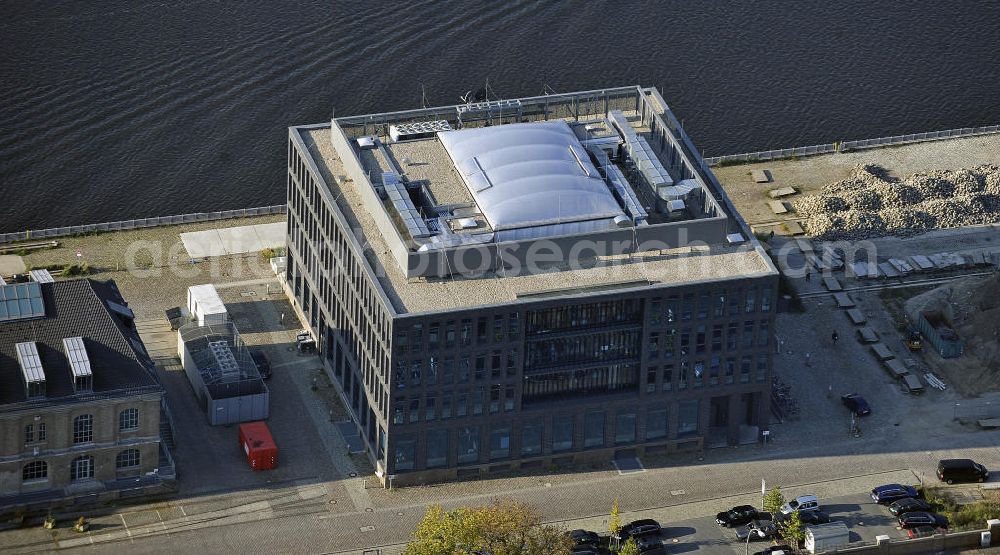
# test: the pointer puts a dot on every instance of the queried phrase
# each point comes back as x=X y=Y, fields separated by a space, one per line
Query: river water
x=130 y=108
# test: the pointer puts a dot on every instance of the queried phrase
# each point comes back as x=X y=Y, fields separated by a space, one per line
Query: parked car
x=921 y=532
x=802 y=504
x=805 y=517
x=737 y=516
x=856 y=404
x=651 y=546
x=922 y=518
x=775 y=549
x=757 y=530
x=892 y=492
x=583 y=538
x=961 y=470
x=262 y=363
x=908 y=505
x=639 y=528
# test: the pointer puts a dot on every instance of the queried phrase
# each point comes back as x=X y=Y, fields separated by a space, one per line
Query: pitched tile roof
x=76 y=308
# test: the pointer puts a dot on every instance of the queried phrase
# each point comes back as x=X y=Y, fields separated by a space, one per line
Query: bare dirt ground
x=809 y=174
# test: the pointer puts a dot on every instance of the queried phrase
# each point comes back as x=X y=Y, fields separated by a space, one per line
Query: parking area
x=703 y=536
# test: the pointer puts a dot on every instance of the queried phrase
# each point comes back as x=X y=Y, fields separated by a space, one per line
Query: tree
x=630 y=548
x=615 y=520
x=774 y=500
x=792 y=530
x=504 y=527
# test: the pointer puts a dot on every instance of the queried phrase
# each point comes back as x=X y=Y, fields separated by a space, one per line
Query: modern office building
x=80 y=408
x=525 y=283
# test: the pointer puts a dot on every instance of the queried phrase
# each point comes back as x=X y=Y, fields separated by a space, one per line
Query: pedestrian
x=835 y=337
x=282 y=318
x=807 y=359
x=772 y=235
x=808 y=275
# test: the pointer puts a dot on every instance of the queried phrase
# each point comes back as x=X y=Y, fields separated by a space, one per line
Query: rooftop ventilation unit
x=31 y=369
x=417 y=130
x=41 y=276
x=229 y=369
x=474 y=111
x=367 y=142
x=79 y=363
x=21 y=300
x=735 y=238
x=643 y=156
x=395 y=191
x=619 y=185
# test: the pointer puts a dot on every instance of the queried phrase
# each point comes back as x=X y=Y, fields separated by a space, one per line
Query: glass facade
x=437 y=448
x=593 y=429
x=562 y=433
x=531 y=439
x=468 y=444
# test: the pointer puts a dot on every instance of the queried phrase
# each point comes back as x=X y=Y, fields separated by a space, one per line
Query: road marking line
x=183 y=512
x=127 y=531
x=163 y=524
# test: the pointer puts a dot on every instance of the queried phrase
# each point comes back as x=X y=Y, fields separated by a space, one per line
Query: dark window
x=468 y=445
x=498 y=329
x=765 y=300
x=651 y=374
x=41 y=431
x=562 y=433
x=432 y=371
x=499 y=443
x=430 y=408
x=128 y=458
x=748 y=334
x=466 y=333
x=449 y=335
x=763 y=332
x=128 y=419
x=687 y=417
x=398 y=412
x=531 y=439
x=462 y=404
x=437 y=448
x=494 y=399
x=656 y=423
x=668 y=377
x=81 y=468
x=29 y=433
x=414 y=410
x=83 y=428
x=446 y=405
x=481 y=329
x=35 y=470
x=405 y=454
x=508 y=398
x=716 y=338
x=625 y=427
x=593 y=429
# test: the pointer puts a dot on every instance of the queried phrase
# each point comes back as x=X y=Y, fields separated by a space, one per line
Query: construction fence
x=139 y=223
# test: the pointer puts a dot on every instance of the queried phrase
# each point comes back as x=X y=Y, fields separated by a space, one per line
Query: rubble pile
x=871 y=203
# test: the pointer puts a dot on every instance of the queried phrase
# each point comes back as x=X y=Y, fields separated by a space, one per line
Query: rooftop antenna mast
x=423 y=96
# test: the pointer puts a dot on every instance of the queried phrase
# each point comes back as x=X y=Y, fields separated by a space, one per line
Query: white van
x=802 y=503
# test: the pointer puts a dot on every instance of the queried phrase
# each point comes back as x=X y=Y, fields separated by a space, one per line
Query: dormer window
x=79 y=363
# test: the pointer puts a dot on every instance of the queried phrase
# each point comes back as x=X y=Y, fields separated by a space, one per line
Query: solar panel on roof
x=31 y=363
x=76 y=352
x=41 y=276
x=21 y=300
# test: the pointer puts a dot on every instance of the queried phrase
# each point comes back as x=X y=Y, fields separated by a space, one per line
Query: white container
x=206 y=306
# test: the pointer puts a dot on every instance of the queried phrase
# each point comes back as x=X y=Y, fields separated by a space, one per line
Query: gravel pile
x=870 y=203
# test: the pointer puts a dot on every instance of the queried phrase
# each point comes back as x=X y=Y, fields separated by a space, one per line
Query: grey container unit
x=938 y=330
x=824 y=537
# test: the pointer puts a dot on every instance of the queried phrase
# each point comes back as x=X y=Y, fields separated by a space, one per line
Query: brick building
x=80 y=407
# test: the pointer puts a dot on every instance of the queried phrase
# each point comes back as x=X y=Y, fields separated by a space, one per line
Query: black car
x=262 y=363
x=922 y=518
x=892 y=492
x=651 y=546
x=856 y=404
x=584 y=538
x=639 y=528
x=737 y=516
x=807 y=518
x=908 y=505
x=921 y=532
x=961 y=470
x=757 y=530
x=774 y=549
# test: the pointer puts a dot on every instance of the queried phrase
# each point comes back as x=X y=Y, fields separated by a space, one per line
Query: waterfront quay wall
x=138 y=223
x=846 y=146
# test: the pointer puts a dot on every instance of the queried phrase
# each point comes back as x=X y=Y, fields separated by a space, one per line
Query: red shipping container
x=259 y=446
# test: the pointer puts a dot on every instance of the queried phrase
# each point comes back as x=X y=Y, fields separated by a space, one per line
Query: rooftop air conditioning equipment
x=366 y=143
x=675 y=205
x=623 y=221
